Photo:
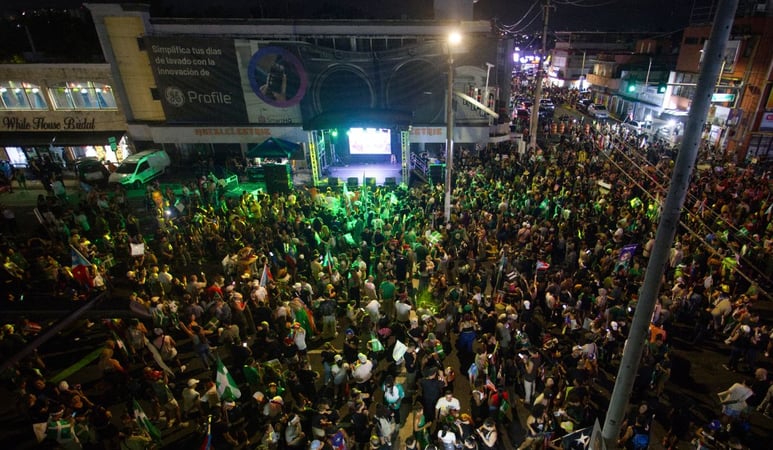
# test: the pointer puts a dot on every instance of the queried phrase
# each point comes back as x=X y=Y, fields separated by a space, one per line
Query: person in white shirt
x=362 y=373
x=373 y=308
x=445 y=404
x=447 y=437
x=299 y=337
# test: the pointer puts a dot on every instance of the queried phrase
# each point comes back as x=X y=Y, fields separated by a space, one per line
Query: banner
x=197 y=79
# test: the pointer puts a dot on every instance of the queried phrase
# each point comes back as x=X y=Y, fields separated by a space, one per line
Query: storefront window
x=20 y=95
x=82 y=95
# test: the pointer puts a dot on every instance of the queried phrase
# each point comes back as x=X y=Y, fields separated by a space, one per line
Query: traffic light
x=662 y=88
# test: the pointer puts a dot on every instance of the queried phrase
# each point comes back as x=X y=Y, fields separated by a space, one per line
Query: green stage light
x=334 y=133
x=631 y=88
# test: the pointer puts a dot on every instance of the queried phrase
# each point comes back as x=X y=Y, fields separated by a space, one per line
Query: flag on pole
x=542 y=265
x=266 y=276
x=207 y=444
x=80 y=267
x=579 y=440
x=145 y=423
x=226 y=386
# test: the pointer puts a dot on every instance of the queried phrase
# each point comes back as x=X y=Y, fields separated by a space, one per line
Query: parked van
x=140 y=168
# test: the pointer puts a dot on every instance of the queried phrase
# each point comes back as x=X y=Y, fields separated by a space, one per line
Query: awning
x=276 y=148
x=365 y=118
x=61 y=138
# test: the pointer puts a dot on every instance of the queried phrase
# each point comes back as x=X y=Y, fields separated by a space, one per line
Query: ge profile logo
x=174 y=96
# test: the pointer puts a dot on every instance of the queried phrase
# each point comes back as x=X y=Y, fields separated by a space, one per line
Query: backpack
x=641 y=441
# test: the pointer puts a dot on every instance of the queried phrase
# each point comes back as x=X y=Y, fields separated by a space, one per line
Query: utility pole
x=669 y=220
x=534 y=123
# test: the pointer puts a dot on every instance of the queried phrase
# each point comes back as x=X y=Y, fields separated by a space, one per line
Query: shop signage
x=722 y=97
x=231 y=131
x=11 y=123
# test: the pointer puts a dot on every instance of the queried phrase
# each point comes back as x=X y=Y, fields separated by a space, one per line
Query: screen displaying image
x=370 y=141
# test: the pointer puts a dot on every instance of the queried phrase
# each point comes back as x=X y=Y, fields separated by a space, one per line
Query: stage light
x=334 y=133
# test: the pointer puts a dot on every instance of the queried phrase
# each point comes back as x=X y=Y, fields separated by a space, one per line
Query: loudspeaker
x=437 y=173
x=390 y=181
x=332 y=182
x=278 y=179
x=370 y=182
x=352 y=182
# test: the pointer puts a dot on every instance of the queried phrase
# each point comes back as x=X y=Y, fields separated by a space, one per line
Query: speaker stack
x=437 y=173
x=278 y=178
x=390 y=181
x=370 y=182
x=352 y=182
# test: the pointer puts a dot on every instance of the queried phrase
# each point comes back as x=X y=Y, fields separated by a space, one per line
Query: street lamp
x=453 y=40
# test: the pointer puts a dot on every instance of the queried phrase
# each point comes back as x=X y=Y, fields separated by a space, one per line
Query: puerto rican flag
x=266 y=276
x=81 y=268
x=542 y=265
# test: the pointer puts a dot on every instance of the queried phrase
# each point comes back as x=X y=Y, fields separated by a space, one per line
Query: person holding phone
x=276 y=83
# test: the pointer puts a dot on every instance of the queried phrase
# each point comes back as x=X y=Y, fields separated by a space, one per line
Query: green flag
x=226 y=386
x=145 y=423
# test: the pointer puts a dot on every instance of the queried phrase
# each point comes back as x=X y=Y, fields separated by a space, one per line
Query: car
x=547 y=104
x=598 y=111
x=583 y=103
x=633 y=125
x=521 y=113
x=91 y=171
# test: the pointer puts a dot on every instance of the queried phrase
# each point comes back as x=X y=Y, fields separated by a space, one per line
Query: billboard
x=196 y=79
x=273 y=80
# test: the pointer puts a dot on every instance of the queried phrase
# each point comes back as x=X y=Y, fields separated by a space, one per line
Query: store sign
x=40 y=123
x=226 y=135
x=197 y=79
x=722 y=98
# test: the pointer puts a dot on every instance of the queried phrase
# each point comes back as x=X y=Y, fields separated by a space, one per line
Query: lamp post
x=453 y=39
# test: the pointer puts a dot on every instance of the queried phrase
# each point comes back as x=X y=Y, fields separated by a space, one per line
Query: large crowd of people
x=530 y=286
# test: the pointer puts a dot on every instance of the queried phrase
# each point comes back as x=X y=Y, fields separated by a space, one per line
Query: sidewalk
x=28 y=197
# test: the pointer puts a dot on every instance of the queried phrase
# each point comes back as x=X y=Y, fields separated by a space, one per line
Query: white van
x=140 y=168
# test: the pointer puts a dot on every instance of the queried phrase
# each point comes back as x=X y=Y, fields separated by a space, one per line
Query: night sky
x=615 y=15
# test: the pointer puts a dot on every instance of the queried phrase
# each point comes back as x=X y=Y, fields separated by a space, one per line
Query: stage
x=380 y=172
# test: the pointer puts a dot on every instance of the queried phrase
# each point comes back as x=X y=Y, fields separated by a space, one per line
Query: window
x=82 y=95
x=21 y=95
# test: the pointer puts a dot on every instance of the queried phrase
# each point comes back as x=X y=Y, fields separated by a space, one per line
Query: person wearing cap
x=191 y=404
x=362 y=372
x=162 y=396
x=295 y=438
x=274 y=408
x=60 y=429
x=351 y=346
x=167 y=348
x=339 y=372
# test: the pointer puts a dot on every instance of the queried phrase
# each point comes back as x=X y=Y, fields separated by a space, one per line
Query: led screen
x=369 y=141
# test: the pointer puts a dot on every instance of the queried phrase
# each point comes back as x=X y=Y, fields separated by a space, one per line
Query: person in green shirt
x=387 y=291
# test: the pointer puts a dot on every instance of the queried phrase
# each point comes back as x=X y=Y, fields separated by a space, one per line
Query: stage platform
x=362 y=171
